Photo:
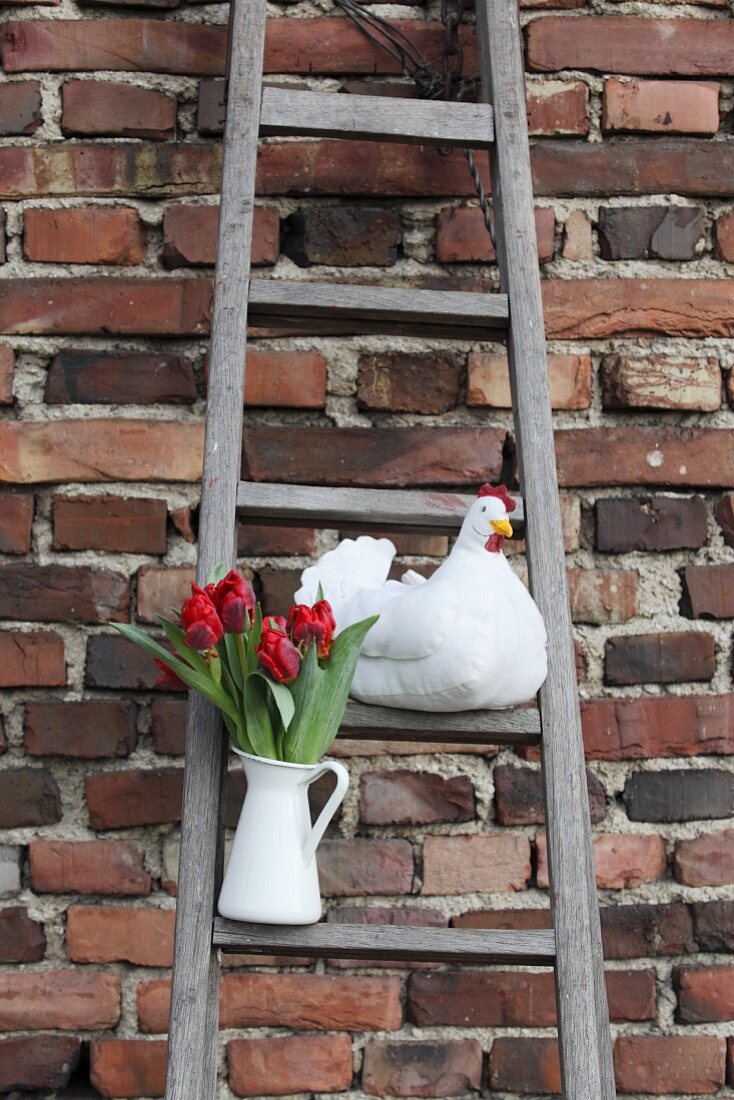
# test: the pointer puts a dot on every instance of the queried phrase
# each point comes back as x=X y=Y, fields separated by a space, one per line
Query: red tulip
x=279 y=656
x=233 y=597
x=307 y=624
x=168 y=677
x=200 y=621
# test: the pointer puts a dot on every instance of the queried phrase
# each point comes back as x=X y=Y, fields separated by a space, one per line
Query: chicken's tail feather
x=353 y=565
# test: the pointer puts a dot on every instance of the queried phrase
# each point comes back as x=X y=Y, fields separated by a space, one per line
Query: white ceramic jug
x=271 y=876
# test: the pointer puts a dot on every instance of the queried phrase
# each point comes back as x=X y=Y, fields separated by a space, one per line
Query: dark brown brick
x=31 y=1062
x=650 y=523
x=650 y=232
x=524 y=1065
x=438 y=1067
x=79 y=376
x=414 y=798
x=659 y=658
x=22 y=940
x=97 y=108
x=121 y=800
x=708 y=592
x=690 y=795
x=346 y=236
x=28 y=796
x=507 y=919
x=724 y=515
x=401 y=915
x=58 y=593
x=211 y=107
x=86 y=729
x=114 y=524
x=389 y=457
x=20 y=107
x=518 y=796
x=114 y=662
x=16 y=521
x=642 y=931
x=421 y=382
x=350 y=868
x=679 y=458
x=7 y=374
x=257 y=541
x=168 y=726
x=713 y=922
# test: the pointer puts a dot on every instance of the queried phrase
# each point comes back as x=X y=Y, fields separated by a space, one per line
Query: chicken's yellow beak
x=502 y=527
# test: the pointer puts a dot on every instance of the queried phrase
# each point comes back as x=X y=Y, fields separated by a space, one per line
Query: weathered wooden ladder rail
x=573 y=946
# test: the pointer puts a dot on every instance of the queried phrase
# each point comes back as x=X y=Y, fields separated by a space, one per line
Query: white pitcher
x=271 y=876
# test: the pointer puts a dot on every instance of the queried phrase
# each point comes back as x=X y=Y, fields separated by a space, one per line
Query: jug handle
x=337 y=796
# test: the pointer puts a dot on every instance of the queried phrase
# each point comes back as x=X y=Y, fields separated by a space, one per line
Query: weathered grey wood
x=289 y=111
x=398 y=942
x=364 y=308
x=357 y=509
x=520 y=726
x=192 y=1044
x=583 y=1023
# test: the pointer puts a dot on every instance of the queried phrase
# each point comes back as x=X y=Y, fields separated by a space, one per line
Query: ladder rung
x=520 y=725
x=353 y=308
x=288 y=111
x=396 y=510
x=384 y=942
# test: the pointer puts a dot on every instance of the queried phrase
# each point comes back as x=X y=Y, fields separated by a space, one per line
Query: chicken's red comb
x=500 y=491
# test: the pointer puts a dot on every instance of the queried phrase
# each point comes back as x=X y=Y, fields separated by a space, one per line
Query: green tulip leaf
x=260 y=729
x=281 y=697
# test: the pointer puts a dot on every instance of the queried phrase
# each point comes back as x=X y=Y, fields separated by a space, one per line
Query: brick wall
x=108 y=173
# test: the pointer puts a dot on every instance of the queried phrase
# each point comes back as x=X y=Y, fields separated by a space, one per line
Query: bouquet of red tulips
x=281 y=684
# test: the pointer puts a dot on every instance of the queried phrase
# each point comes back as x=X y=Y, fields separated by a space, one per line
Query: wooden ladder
x=573 y=946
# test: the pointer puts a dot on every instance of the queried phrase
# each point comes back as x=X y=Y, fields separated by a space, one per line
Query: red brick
x=635 y=729
x=629 y=44
x=183 y=520
x=59 y=593
x=66 y=1000
x=524 y=1065
x=461 y=235
x=128 y=1067
x=22 y=940
x=634 y=931
x=349 y=868
x=469 y=864
x=84 y=729
x=507 y=919
x=16 y=521
x=84 y=235
x=98 y=108
x=389 y=457
x=343 y=236
x=168 y=726
x=603 y=595
x=705 y=860
x=724 y=237
x=400 y=381
x=677 y=457
x=659 y=658
x=650 y=523
x=31 y=660
x=314 y=1002
x=577 y=238
x=160 y=589
x=401 y=915
x=596 y=308
x=708 y=591
x=28 y=796
x=80 y=376
x=414 y=798
x=659 y=1064
x=105 y=934
x=286 y=1064
x=623 y=860
x=661 y=383
x=115 y=662
x=295 y=379
x=488 y=382
x=87 y=867
x=705 y=994
x=556 y=108
x=724 y=516
x=190 y=236
x=518 y=796
x=114 y=524
x=79 y=450
x=33 y=1062
x=507 y=998
x=660 y=106
x=7 y=372
x=120 y=800
x=439 y=1067
x=20 y=107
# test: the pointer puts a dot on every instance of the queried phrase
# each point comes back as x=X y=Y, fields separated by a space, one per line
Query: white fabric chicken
x=469 y=637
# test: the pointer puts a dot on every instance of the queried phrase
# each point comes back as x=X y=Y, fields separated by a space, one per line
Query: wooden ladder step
x=514 y=726
x=397 y=510
x=356 y=309
x=386 y=942
x=288 y=111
